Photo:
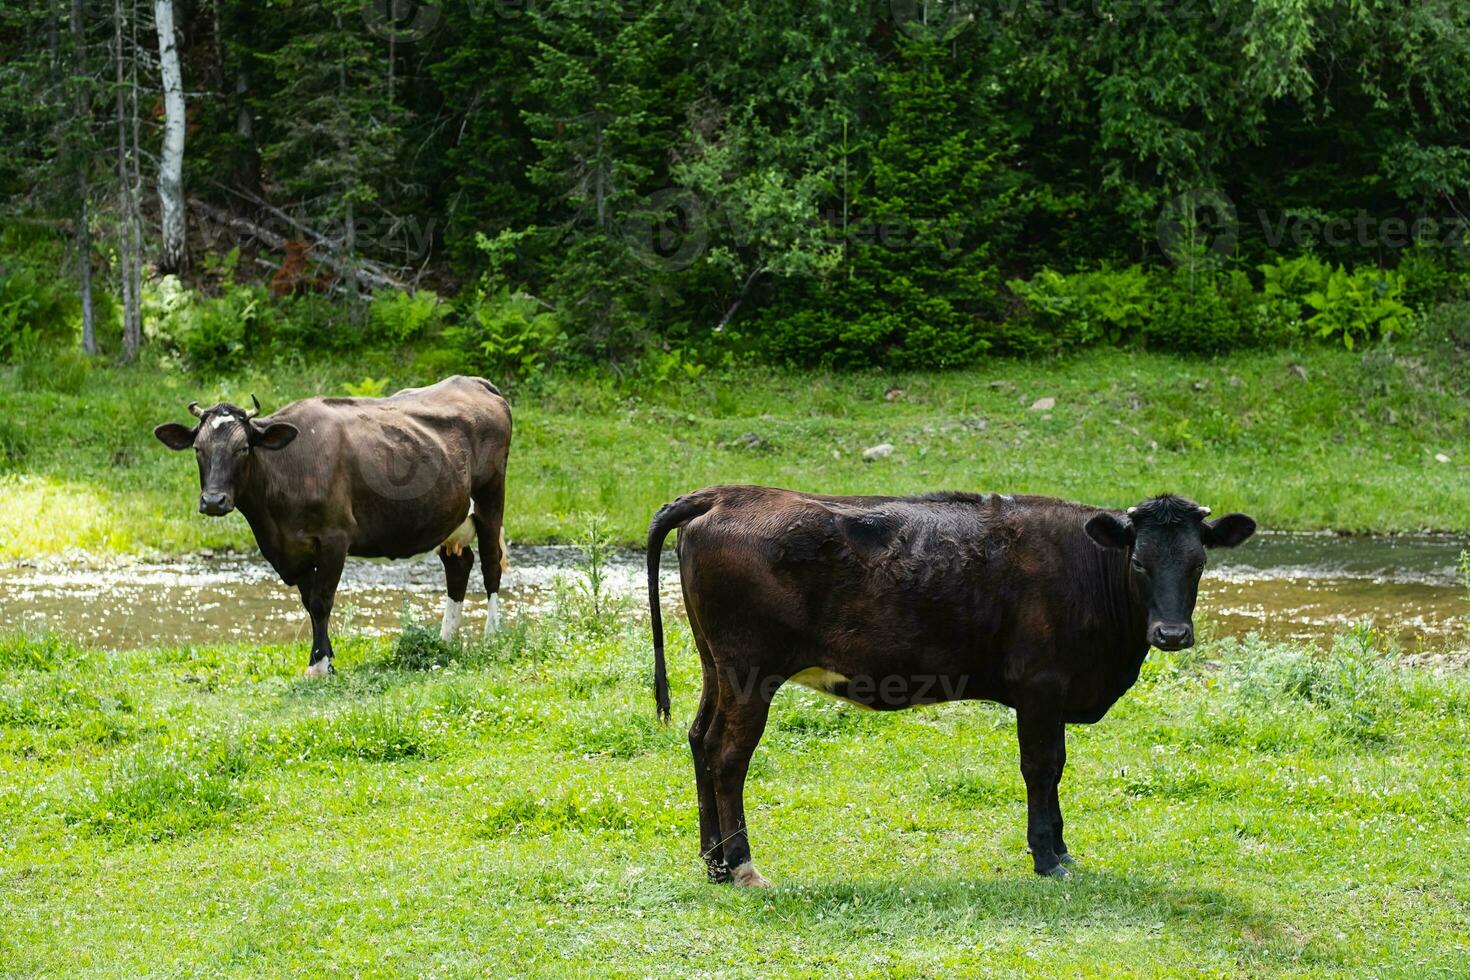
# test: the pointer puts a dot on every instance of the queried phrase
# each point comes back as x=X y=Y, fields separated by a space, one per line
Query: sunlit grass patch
x=532 y=816
x=375 y=732
x=156 y=795
x=623 y=736
x=23 y=650
x=41 y=515
x=977 y=789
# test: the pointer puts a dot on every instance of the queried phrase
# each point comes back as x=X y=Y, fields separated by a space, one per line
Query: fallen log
x=366 y=273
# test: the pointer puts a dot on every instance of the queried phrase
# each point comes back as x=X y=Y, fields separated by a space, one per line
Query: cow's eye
x=1138 y=566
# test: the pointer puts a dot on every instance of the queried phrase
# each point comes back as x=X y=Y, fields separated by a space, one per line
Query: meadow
x=1252 y=807
x=514 y=808
x=1310 y=439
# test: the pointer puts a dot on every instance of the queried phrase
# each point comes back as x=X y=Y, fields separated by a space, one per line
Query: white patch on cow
x=453 y=615
x=492 y=616
x=461 y=538
x=825 y=681
x=819 y=679
x=220 y=421
x=746 y=876
x=321 y=668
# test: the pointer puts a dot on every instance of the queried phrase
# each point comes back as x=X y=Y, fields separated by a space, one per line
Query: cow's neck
x=254 y=489
x=1124 y=608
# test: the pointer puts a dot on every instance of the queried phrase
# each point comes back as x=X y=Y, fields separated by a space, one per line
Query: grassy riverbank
x=1313 y=439
x=1248 y=809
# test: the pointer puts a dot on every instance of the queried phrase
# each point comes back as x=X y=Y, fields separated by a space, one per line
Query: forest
x=1102 y=363
x=515 y=186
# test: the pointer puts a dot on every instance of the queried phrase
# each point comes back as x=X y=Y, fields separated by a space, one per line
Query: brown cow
x=394 y=477
x=1046 y=606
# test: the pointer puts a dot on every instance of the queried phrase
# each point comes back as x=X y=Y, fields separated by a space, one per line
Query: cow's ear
x=1111 y=531
x=1227 y=532
x=277 y=435
x=175 y=436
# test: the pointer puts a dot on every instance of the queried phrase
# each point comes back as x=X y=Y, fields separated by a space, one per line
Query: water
x=1300 y=586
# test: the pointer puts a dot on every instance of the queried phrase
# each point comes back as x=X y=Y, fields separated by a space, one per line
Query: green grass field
x=1351 y=445
x=1247 y=810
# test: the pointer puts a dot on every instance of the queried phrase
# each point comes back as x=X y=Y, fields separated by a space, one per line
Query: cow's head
x=223 y=442
x=1165 y=539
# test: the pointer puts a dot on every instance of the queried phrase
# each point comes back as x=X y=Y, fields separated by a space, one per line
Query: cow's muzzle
x=215 y=504
x=1171 y=636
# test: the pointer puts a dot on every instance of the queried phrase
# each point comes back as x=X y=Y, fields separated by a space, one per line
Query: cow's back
x=400 y=471
x=928 y=582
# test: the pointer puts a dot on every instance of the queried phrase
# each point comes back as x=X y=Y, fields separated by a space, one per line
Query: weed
x=158 y=795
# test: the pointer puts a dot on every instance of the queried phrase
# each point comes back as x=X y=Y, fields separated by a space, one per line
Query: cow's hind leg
x=457 y=566
x=489 y=516
x=734 y=732
x=711 y=847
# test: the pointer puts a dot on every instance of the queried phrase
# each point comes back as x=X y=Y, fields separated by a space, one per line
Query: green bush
x=33 y=311
x=1206 y=310
x=1286 y=283
x=220 y=330
x=500 y=334
x=311 y=322
x=1112 y=306
x=1433 y=276
x=924 y=333
x=1203 y=308
x=211 y=334
x=396 y=318
x=1363 y=305
x=1449 y=323
x=1199 y=308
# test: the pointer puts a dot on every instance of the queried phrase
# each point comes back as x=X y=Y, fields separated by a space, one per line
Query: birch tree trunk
x=171 y=164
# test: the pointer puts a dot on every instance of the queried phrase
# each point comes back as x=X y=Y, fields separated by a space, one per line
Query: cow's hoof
x=718 y=872
x=746 y=876
x=1057 y=871
x=321 y=668
x=1067 y=859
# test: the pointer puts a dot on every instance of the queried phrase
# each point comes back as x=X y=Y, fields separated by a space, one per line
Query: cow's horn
x=195 y=410
x=1132 y=511
x=1204 y=511
x=255 y=401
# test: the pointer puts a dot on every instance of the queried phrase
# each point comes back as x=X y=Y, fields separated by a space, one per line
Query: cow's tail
x=669 y=517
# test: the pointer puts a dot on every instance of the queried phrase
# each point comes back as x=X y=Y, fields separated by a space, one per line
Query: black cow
x=1046 y=606
x=394 y=477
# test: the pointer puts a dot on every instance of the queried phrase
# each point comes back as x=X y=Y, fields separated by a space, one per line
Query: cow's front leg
x=457 y=565
x=1060 y=845
x=1039 y=730
x=319 y=592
